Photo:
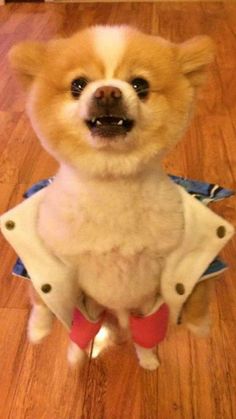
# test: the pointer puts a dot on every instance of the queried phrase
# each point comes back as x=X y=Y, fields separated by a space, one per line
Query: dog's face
x=108 y=100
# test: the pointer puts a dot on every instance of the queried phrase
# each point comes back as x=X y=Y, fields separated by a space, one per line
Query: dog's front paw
x=147 y=358
x=150 y=362
x=36 y=335
x=40 y=323
x=75 y=355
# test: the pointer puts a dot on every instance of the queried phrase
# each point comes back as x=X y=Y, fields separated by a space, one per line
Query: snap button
x=180 y=288
x=221 y=231
x=46 y=288
x=10 y=225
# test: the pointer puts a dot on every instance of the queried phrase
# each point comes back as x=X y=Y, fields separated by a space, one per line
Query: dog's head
x=110 y=99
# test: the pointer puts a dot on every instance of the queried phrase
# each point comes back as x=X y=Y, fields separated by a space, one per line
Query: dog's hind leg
x=41 y=318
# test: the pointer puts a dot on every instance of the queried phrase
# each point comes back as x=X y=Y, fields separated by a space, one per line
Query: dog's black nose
x=107 y=95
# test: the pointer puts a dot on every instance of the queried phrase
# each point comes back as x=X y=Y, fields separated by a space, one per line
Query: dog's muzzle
x=108 y=113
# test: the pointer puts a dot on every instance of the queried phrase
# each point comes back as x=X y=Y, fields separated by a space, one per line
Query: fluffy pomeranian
x=108 y=103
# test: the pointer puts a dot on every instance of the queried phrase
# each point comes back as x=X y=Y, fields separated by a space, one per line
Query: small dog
x=108 y=103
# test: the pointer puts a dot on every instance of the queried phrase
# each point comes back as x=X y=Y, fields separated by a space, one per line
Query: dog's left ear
x=26 y=59
x=194 y=56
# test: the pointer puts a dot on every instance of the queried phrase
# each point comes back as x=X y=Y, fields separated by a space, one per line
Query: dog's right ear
x=27 y=59
x=194 y=56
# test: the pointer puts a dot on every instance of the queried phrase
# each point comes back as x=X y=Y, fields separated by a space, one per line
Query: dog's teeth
x=93 y=120
x=98 y=122
x=120 y=122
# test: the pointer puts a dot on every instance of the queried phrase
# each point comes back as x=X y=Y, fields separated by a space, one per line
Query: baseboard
x=124 y=1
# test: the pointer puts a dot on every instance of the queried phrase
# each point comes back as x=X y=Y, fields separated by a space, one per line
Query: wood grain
x=197 y=377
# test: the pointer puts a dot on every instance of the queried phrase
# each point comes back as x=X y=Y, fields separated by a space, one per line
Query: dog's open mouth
x=109 y=126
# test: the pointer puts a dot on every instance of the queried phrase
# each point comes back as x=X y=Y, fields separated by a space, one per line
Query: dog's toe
x=147 y=358
x=150 y=363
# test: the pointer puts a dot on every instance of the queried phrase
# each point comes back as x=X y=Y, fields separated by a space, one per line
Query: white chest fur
x=117 y=231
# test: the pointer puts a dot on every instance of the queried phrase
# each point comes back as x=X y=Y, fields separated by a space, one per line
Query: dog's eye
x=141 y=87
x=77 y=86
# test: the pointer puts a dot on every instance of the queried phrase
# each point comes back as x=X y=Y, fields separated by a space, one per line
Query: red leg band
x=150 y=330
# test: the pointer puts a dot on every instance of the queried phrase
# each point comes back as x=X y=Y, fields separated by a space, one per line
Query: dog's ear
x=27 y=59
x=194 y=56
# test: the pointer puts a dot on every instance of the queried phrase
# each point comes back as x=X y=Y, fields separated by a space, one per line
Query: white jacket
x=205 y=235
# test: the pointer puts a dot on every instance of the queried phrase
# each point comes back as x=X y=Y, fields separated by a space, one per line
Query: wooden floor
x=197 y=377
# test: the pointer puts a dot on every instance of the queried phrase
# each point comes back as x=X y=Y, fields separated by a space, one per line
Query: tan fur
x=196 y=309
x=111 y=210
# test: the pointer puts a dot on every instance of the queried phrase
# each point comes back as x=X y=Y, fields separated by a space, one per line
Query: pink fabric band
x=146 y=331
x=83 y=330
x=150 y=330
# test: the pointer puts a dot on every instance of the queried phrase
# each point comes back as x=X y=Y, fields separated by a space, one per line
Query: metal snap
x=221 y=232
x=180 y=288
x=46 y=288
x=10 y=225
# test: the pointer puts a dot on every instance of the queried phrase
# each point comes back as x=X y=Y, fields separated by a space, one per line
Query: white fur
x=101 y=342
x=109 y=44
x=147 y=358
x=117 y=232
x=40 y=323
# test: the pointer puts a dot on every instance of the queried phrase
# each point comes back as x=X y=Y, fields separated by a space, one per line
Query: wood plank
x=111 y=390
x=35 y=380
